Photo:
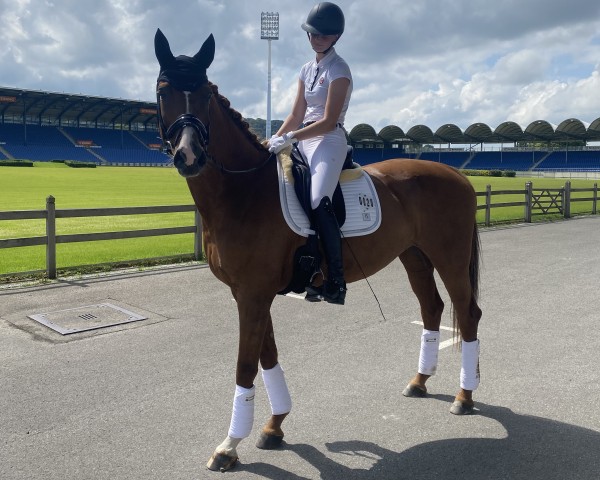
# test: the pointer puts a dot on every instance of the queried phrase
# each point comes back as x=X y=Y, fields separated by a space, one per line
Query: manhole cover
x=82 y=319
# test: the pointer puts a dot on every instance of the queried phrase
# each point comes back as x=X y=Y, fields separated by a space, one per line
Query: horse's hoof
x=269 y=442
x=462 y=408
x=413 y=390
x=220 y=462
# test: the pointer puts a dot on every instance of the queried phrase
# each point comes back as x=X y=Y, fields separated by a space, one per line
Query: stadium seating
x=573 y=161
x=15 y=134
x=122 y=147
x=103 y=137
x=454 y=159
x=504 y=160
x=41 y=153
x=46 y=143
x=365 y=156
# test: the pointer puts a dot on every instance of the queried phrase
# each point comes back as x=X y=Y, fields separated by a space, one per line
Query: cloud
x=413 y=62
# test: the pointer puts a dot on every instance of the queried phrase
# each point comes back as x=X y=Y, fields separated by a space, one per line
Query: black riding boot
x=334 y=288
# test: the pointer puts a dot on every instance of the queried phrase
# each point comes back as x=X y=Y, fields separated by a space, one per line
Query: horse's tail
x=474 y=263
x=473 y=277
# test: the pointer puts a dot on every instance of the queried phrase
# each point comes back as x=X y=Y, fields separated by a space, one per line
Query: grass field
x=27 y=189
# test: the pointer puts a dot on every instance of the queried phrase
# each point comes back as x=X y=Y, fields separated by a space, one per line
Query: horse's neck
x=230 y=144
x=225 y=199
x=232 y=204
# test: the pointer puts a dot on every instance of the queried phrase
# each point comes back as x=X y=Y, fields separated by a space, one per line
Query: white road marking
x=295 y=295
x=445 y=343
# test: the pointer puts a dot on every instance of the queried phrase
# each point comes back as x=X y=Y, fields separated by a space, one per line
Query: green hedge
x=489 y=173
x=74 y=164
x=16 y=163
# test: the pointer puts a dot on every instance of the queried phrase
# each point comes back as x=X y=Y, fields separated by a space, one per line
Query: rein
x=223 y=169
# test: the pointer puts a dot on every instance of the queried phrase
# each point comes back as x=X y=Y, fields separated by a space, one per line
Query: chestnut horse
x=428 y=221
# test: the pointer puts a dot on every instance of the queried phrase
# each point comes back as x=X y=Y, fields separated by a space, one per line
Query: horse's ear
x=206 y=54
x=162 y=49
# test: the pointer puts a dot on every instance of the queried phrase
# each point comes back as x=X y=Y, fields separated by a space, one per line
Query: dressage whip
x=364 y=276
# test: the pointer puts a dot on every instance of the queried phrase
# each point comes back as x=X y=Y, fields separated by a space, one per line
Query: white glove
x=277 y=144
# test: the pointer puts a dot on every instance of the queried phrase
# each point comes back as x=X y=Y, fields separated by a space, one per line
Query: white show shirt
x=317 y=78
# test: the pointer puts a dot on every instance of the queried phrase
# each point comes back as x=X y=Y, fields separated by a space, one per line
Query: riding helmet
x=325 y=18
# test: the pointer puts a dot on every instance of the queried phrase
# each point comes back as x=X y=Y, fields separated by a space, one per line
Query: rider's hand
x=277 y=144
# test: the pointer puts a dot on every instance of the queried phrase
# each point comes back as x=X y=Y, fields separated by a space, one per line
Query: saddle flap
x=302 y=185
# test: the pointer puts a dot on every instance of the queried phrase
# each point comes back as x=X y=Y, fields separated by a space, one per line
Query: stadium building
x=46 y=126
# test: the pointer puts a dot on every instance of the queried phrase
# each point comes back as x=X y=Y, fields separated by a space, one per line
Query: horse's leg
x=253 y=318
x=466 y=316
x=271 y=436
x=461 y=280
x=422 y=282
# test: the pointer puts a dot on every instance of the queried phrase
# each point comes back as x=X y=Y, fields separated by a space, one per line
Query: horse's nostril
x=185 y=169
x=179 y=159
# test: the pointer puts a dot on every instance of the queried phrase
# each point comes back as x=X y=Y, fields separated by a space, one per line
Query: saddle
x=302 y=181
x=307 y=259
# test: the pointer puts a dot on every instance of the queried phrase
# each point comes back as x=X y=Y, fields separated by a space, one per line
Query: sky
x=413 y=62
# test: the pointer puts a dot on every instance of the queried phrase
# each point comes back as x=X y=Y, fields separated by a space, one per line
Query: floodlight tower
x=269 y=30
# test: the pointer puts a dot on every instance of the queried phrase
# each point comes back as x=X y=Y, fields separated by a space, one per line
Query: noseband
x=188 y=120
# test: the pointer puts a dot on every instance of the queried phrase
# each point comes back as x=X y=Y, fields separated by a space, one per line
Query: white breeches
x=325 y=155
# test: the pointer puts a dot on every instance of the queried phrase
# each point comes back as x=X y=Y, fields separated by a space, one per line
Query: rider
x=324 y=89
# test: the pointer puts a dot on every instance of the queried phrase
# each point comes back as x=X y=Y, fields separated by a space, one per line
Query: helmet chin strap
x=325 y=52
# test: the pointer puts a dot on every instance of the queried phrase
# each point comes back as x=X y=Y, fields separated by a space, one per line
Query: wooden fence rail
x=539 y=200
x=534 y=201
x=51 y=239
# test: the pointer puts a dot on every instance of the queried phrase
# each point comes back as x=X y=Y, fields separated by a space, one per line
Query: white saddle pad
x=363 y=211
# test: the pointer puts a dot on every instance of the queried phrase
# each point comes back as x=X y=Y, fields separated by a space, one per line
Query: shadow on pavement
x=534 y=448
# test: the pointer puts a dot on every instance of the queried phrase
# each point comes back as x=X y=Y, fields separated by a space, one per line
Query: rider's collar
x=327 y=58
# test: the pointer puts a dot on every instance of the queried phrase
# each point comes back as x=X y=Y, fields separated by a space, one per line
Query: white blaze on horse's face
x=187 y=136
x=185 y=146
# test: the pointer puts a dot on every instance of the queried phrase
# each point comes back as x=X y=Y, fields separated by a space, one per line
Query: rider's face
x=320 y=43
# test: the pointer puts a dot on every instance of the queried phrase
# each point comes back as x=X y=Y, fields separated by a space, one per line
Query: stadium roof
x=52 y=108
x=79 y=110
x=540 y=130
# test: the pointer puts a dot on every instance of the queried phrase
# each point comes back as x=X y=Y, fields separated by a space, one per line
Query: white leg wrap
x=277 y=390
x=242 y=416
x=428 y=357
x=469 y=372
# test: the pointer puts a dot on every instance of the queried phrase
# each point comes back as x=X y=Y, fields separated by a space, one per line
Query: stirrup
x=314 y=294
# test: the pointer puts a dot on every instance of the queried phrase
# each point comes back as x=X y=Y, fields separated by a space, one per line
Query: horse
x=428 y=221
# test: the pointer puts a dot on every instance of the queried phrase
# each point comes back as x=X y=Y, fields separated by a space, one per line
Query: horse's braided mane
x=237 y=117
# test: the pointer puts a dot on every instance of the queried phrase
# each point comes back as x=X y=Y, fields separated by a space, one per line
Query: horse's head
x=183 y=95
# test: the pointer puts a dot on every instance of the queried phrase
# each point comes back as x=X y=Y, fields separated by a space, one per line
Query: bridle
x=190 y=120
x=176 y=128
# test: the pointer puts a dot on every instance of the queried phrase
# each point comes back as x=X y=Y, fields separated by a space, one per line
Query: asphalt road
x=152 y=399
